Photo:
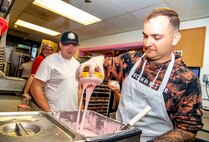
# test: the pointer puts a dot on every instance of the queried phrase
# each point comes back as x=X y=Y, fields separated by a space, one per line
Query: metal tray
x=99 y=124
x=43 y=126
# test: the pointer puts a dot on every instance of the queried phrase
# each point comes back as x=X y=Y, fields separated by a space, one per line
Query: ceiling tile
x=103 y=9
x=87 y=33
x=40 y=13
x=118 y=16
x=13 y=17
x=126 y=22
x=35 y=20
x=140 y=14
x=190 y=9
x=105 y=28
x=18 y=33
x=20 y=5
x=132 y=5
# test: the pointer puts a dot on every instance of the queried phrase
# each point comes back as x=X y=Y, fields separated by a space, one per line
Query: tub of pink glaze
x=98 y=127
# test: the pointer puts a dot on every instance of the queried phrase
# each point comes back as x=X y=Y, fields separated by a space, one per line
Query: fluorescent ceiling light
x=36 y=28
x=67 y=10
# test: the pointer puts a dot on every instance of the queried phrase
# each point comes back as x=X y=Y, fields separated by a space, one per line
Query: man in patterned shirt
x=158 y=78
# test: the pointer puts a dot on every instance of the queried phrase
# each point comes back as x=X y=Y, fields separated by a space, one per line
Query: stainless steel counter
x=12 y=84
x=34 y=127
x=9 y=103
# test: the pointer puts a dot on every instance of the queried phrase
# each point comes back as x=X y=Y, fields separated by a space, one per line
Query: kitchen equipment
x=12 y=84
x=105 y=128
x=34 y=127
x=10 y=102
x=20 y=130
x=137 y=117
x=100 y=99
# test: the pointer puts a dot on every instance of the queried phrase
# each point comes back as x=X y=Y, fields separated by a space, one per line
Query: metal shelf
x=100 y=99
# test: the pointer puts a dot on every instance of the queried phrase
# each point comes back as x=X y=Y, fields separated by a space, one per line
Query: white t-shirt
x=26 y=69
x=61 y=86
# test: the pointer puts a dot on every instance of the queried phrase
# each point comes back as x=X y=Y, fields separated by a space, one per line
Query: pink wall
x=125 y=46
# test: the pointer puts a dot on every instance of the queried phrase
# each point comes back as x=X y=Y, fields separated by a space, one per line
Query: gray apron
x=135 y=96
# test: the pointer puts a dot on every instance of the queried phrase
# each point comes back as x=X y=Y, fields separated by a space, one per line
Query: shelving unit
x=100 y=99
x=1 y=59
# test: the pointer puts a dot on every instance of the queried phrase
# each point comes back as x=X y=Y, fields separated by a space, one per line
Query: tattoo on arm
x=177 y=135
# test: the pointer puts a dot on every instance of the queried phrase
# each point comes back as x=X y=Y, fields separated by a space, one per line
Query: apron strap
x=136 y=65
x=167 y=74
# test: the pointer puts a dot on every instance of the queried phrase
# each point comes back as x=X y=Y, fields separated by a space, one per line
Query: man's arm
x=115 y=87
x=93 y=64
x=27 y=87
x=176 y=135
x=38 y=95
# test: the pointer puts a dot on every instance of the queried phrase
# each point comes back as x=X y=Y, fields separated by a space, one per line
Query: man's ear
x=60 y=44
x=176 y=38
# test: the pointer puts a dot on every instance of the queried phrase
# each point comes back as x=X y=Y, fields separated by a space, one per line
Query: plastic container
x=95 y=80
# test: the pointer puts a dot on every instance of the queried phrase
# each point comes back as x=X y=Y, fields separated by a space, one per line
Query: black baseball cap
x=69 y=37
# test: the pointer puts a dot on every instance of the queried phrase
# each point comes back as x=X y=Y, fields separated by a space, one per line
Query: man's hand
x=93 y=64
x=114 y=85
x=27 y=96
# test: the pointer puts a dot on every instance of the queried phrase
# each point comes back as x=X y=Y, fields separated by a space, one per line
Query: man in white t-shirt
x=55 y=87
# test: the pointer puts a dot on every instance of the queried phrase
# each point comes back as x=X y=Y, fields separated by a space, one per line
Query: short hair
x=171 y=14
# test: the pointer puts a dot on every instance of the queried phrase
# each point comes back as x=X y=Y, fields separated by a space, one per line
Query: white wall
x=135 y=36
x=205 y=69
x=127 y=37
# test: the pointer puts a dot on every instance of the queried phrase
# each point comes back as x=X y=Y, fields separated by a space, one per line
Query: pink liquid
x=87 y=133
x=89 y=84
